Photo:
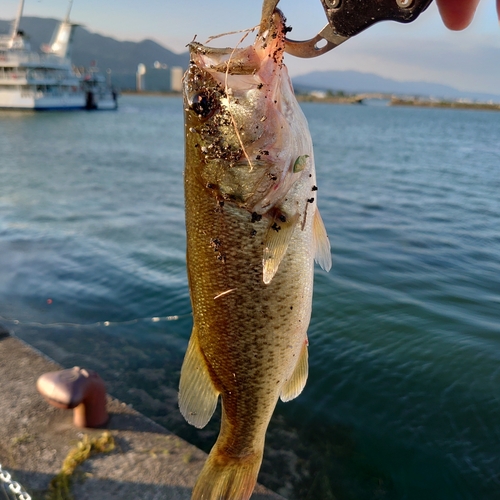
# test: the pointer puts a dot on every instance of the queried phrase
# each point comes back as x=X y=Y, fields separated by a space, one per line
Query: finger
x=498 y=9
x=458 y=14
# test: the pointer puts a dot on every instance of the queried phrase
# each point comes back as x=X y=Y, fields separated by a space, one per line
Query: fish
x=253 y=232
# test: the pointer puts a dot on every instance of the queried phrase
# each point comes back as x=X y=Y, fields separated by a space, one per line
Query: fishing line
x=247 y=30
x=107 y=323
x=36 y=324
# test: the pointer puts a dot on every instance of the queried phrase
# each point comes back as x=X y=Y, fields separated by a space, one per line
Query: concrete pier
x=148 y=461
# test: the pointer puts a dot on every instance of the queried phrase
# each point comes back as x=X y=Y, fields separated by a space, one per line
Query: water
x=403 y=399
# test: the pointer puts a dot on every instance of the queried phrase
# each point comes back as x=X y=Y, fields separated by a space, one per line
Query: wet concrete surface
x=148 y=462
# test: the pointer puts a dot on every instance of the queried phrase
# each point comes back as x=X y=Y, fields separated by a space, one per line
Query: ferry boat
x=46 y=80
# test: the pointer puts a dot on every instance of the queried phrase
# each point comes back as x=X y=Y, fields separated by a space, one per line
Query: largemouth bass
x=253 y=231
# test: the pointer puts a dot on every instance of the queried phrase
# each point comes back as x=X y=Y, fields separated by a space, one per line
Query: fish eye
x=203 y=105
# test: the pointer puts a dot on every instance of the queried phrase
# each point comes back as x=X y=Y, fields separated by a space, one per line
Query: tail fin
x=227 y=478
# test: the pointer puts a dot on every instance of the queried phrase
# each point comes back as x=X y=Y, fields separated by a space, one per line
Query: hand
x=458 y=14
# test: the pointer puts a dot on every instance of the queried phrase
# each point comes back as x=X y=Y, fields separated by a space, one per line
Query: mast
x=66 y=19
x=62 y=39
x=15 y=24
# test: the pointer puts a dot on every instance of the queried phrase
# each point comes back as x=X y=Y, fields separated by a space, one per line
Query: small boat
x=46 y=80
x=99 y=94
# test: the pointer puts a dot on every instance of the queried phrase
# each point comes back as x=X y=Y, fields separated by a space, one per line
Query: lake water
x=403 y=398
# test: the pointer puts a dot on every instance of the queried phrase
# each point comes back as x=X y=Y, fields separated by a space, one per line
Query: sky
x=421 y=51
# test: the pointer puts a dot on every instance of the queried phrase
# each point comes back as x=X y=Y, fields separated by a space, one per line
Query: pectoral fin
x=276 y=242
x=322 y=254
x=197 y=394
x=296 y=383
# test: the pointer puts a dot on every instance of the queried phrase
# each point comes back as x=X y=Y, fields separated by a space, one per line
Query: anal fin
x=296 y=383
x=197 y=394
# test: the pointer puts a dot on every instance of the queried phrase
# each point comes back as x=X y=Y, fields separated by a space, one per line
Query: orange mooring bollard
x=79 y=389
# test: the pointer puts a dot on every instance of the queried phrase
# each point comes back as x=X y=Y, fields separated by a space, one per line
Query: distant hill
x=357 y=82
x=121 y=57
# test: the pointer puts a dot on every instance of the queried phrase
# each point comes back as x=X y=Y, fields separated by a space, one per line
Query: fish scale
x=253 y=230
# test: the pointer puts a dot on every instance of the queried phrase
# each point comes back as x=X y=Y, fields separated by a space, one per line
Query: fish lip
x=246 y=59
x=205 y=49
x=225 y=61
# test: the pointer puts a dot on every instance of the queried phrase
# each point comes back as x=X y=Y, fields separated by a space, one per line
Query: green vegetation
x=60 y=486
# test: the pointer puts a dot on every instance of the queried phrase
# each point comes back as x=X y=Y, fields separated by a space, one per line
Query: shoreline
x=356 y=99
x=446 y=104
x=400 y=101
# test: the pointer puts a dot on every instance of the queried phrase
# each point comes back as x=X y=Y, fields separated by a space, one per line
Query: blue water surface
x=403 y=397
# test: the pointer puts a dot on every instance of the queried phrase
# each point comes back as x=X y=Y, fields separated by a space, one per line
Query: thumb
x=458 y=14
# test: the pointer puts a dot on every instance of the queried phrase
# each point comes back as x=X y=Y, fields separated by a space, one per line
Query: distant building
x=141 y=71
x=176 y=74
x=159 y=78
x=159 y=65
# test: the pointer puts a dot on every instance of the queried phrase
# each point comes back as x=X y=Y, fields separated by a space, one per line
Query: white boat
x=46 y=80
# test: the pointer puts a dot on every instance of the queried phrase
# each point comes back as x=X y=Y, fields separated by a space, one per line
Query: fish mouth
x=244 y=110
x=243 y=61
x=269 y=45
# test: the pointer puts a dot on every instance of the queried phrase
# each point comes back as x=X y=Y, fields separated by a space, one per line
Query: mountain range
x=123 y=57
x=358 y=82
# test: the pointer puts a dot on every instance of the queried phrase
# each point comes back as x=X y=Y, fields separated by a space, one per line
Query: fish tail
x=227 y=478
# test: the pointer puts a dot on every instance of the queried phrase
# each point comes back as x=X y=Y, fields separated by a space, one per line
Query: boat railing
x=15 y=58
x=14 y=74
